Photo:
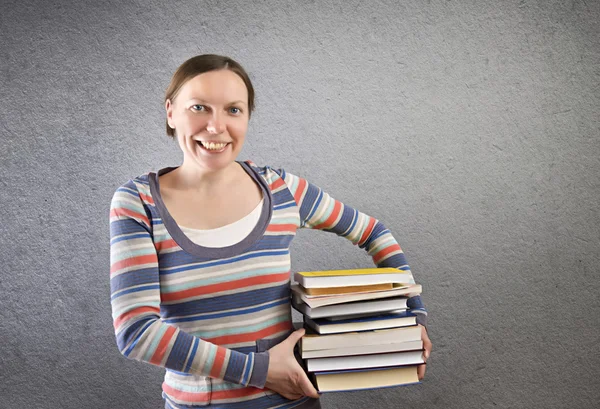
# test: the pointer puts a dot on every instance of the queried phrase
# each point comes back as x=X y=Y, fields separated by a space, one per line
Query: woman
x=200 y=259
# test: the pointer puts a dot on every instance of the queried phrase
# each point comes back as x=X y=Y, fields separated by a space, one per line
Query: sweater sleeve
x=135 y=299
x=318 y=210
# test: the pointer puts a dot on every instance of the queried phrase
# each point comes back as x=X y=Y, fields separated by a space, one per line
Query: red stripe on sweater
x=161 y=349
x=228 y=285
x=147 y=199
x=215 y=372
x=121 y=211
x=277 y=183
x=132 y=313
x=282 y=227
x=384 y=252
x=300 y=190
x=327 y=224
x=165 y=244
x=216 y=395
x=251 y=336
x=367 y=231
x=133 y=261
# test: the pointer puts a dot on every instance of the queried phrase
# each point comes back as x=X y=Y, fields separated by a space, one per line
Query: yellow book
x=370 y=379
x=349 y=289
x=353 y=277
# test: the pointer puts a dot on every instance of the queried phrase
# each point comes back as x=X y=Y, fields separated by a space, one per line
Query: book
x=364 y=349
x=365 y=361
x=320 y=301
x=352 y=277
x=348 y=289
x=391 y=320
x=350 y=309
x=370 y=379
x=311 y=342
x=359 y=332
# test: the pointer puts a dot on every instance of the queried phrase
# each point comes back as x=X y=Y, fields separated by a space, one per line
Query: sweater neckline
x=213 y=252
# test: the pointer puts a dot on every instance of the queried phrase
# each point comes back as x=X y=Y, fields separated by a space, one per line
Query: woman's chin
x=214 y=161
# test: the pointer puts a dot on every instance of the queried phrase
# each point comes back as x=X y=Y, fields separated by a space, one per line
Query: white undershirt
x=227 y=235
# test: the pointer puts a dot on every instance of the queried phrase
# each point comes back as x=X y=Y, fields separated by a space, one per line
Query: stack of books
x=360 y=333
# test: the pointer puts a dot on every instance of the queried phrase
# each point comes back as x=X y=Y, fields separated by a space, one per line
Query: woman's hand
x=285 y=375
x=427 y=347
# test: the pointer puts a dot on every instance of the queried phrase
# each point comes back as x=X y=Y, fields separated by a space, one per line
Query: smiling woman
x=209 y=112
x=200 y=261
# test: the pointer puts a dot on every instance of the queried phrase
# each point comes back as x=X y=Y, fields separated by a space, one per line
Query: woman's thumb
x=296 y=335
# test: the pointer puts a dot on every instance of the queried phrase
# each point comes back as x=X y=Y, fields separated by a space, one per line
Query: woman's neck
x=189 y=177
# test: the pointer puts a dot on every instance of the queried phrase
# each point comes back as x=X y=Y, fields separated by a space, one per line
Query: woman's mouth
x=213 y=147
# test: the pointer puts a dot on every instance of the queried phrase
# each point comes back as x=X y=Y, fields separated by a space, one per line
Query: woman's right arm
x=135 y=298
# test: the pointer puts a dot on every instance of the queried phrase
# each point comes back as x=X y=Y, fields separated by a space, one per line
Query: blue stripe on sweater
x=133 y=278
x=133 y=330
x=192 y=308
x=116 y=295
x=190 y=359
x=129 y=237
x=179 y=351
x=126 y=226
x=285 y=205
x=311 y=202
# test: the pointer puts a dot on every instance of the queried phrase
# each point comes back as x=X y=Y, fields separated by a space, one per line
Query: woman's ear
x=169 y=109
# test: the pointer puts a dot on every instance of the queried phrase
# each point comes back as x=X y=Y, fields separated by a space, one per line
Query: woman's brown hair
x=204 y=63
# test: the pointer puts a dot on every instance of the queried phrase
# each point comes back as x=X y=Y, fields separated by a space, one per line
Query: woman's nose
x=216 y=124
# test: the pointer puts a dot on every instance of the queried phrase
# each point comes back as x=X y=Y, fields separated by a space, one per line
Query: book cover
x=356 y=277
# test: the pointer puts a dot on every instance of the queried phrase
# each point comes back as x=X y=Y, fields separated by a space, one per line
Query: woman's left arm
x=318 y=210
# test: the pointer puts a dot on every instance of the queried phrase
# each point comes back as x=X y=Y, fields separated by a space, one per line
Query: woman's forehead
x=222 y=86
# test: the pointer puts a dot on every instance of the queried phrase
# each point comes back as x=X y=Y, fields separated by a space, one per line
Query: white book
x=350 y=309
x=386 y=320
x=364 y=361
x=311 y=342
x=364 y=350
x=315 y=301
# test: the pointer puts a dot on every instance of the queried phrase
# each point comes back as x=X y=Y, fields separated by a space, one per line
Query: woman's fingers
x=427 y=345
x=421 y=371
x=285 y=375
x=307 y=387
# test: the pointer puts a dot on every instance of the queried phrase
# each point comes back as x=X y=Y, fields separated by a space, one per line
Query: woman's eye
x=234 y=110
x=198 y=107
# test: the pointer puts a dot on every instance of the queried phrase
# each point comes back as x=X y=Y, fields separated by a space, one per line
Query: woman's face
x=210 y=118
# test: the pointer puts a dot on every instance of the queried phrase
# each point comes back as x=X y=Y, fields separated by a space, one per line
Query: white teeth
x=213 y=145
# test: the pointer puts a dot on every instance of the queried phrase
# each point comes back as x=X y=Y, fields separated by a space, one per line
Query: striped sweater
x=209 y=315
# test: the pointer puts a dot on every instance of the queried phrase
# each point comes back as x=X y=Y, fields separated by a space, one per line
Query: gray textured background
x=469 y=128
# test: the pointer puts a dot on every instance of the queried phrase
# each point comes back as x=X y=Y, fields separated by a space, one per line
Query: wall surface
x=469 y=128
